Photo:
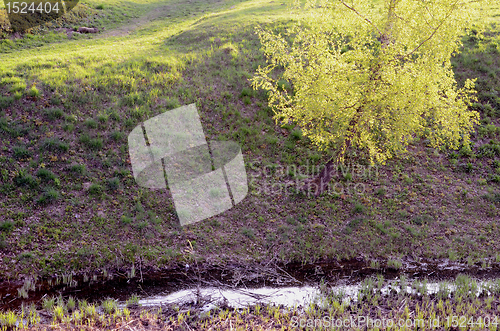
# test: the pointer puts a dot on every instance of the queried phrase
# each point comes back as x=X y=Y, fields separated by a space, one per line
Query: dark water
x=231 y=280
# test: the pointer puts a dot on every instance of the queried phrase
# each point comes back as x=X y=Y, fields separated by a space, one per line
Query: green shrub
x=20 y=152
x=84 y=138
x=138 y=113
x=5 y=102
x=95 y=189
x=296 y=134
x=70 y=118
x=246 y=92
x=48 y=303
x=489 y=150
x=95 y=144
x=132 y=99
x=4 y=125
x=116 y=135
x=284 y=85
x=49 y=196
x=71 y=304
x=79 y=169
x=102 y=118
x=129 y=123
x=90 y=123
x=126 y=219
x=133 y=301
x=359 y=208
x=467 y=167
x=495 y=178
x=54 y=145
x=6 y=226
x=18 y=87
x=92 y=143
x=3 y=242
x=23 y=179
x=422 y=219
x=55 y=100
x=171 y=103
x=45 y=174
x=114 y=115
x=248 y=232
x=114 y=183
x=394 y=264
x=68 y=127
x=109 y=306
x=54 y=113
x=34 y=92
x=466 y=151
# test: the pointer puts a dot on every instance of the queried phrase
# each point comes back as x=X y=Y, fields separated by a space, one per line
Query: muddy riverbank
x=120 y=284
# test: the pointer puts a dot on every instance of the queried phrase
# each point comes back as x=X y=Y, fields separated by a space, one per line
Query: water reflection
x=211 y=297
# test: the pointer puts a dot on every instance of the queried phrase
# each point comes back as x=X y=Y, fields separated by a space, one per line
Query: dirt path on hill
x=138 y=22
x=172 y=10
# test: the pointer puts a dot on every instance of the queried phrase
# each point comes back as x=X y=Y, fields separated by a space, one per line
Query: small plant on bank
x=248 y=232
x=90 y=123
x=34 y=92
x=58 y=313
x=90 y=311
x=78 y=169
x=48 y=303
x=82 y=305
x=49 y=196
x=109 y=306
x=126 y=219
x=71 y=304
x=20 y=152
x=95 y=189
x=116 y=135
x=46 y=175
x=113 y=183
x=133 y=301
x=6 y=226
x=358 y=208
x=54 y=145
x=54 y=113
x=394 y=264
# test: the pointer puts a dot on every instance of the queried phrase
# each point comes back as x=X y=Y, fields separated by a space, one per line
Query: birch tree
x=371 y=75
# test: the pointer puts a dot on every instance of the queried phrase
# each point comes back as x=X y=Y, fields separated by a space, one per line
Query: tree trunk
x=319 y=184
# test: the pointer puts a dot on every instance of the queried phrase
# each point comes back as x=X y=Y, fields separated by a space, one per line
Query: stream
x=237 y=285
x=211 y=298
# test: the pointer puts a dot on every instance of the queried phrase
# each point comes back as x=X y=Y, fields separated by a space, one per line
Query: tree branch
x=357 y=13
x=431 y=35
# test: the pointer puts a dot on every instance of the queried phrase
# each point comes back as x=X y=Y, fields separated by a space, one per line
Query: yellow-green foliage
x=371 y=75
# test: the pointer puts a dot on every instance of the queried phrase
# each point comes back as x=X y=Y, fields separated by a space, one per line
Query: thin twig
x=140 y=267
x=187 y=325
x=357 y=13
x=124 y=325
x=432 y=34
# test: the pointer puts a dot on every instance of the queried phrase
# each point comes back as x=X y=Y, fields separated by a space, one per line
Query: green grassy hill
x=68 y=201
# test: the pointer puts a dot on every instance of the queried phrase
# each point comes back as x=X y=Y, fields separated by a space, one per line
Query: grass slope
x=68 y=201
